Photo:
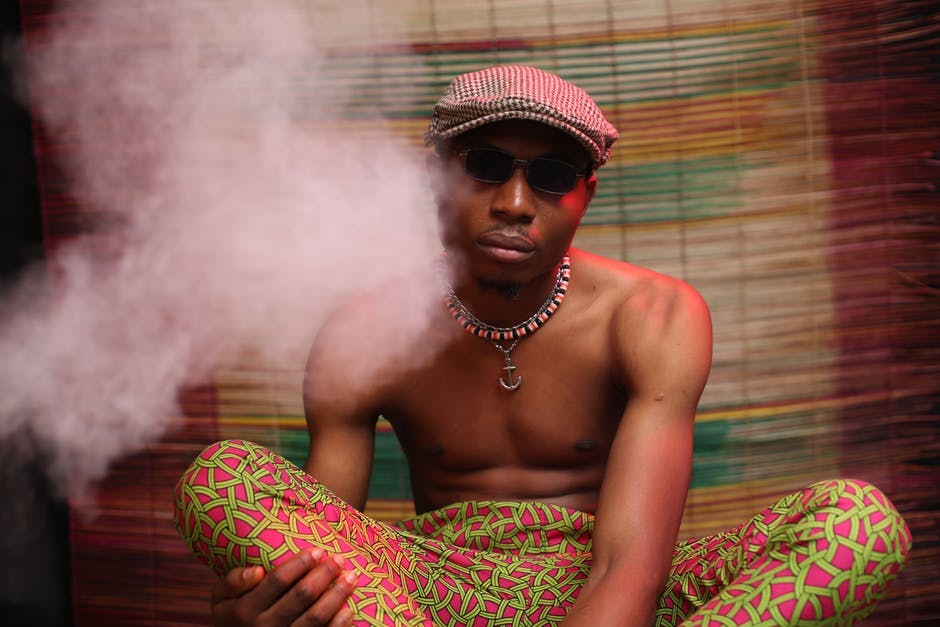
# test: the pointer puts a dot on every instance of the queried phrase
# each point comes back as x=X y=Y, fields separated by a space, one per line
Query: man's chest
x=549 y=403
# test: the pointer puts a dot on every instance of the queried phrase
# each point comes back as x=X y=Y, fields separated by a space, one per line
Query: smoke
x=231 y=217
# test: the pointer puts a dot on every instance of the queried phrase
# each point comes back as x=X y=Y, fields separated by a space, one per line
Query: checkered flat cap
x=514 y=92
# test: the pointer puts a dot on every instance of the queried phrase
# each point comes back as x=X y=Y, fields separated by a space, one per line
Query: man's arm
x=311 y=587
x=663 y=337
x=341 y=408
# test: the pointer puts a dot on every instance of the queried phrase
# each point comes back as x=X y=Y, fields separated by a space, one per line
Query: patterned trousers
x=822 y=556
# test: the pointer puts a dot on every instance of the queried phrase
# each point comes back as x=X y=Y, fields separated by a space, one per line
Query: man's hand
x=308 y=589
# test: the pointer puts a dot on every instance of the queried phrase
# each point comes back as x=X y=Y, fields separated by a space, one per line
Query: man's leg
x=466 y=564
x=240 y=504
x=505 y=563
x=821 y=556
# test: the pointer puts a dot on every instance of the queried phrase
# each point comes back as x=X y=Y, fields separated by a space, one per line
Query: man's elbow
x=619 y=592
x=631 y=574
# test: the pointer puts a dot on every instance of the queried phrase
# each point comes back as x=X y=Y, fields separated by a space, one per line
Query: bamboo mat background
x=773 y=154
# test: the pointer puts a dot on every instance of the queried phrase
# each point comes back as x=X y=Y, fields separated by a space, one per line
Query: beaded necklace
x=495 y=335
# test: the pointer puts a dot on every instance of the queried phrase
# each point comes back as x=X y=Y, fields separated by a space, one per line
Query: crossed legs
x=822 y=556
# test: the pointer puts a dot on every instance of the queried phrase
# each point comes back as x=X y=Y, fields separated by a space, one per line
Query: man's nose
x=514 y=200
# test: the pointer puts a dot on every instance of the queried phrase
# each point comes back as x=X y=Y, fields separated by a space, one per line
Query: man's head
x=521 y=93
x=516 y=149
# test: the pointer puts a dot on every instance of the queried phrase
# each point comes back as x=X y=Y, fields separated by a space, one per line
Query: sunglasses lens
x=552 y=176
x=488 y=166
x=495 y=166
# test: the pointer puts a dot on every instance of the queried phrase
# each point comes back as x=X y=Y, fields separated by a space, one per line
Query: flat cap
x=515 y=92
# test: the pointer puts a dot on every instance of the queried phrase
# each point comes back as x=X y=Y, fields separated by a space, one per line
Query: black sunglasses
x=491 y=165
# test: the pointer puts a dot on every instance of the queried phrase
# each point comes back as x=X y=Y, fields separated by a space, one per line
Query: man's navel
x=586 y=445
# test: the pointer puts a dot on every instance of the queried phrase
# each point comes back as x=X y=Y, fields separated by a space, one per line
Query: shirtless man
x=591 y=407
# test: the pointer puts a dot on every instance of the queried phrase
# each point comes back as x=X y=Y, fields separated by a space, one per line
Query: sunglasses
x=490 y=165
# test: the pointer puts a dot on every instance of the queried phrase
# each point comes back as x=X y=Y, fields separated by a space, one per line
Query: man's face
x=509 y=231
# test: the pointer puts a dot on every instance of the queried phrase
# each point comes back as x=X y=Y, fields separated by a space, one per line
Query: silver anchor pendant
x=509 y=368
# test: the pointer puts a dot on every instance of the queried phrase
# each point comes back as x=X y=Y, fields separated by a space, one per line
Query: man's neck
x=506 y=303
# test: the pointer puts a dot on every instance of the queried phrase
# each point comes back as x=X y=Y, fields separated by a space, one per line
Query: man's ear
x=590 y=186
x=435 y=167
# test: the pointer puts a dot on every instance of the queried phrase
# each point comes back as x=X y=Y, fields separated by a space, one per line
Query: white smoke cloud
x=240 y=222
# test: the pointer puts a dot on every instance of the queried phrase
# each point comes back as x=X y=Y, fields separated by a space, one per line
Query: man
x=549 y=438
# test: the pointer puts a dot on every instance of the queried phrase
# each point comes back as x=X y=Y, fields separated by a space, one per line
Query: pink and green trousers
x=822 y=556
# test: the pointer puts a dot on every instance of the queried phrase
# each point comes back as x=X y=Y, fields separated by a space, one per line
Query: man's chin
x=495 y=275
x=509 y=290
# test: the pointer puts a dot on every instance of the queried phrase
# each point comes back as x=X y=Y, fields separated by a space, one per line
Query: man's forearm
x=626 y=595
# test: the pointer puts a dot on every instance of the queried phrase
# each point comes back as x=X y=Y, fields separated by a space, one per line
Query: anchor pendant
x=509 y=368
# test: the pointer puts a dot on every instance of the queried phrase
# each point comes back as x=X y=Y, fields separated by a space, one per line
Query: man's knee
x=231 y=453
x=240 y=465
x=859 y=512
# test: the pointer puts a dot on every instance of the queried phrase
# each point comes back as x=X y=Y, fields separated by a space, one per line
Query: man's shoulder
x=660 y=325
x=374 y=315
x=629 y=286
x=376 y=332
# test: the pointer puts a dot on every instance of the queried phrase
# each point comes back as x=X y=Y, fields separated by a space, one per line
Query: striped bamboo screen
x=776 y=155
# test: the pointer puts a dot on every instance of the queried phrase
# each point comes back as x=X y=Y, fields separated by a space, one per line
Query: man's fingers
x=279 y=581
x=343 y=618
x=236 y=582
x=332 y=600
x=319 y=598
x=310 y=588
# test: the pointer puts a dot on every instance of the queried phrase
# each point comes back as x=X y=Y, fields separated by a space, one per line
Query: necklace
x=496 y=335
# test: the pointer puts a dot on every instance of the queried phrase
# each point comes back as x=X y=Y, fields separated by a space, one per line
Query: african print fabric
x=822 y=556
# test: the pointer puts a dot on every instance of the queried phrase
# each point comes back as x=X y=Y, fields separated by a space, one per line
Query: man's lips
x=507 y=241
x=506 y=247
